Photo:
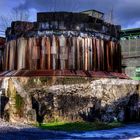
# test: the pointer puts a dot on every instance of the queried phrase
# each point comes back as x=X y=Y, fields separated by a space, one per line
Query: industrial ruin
x=63 y=43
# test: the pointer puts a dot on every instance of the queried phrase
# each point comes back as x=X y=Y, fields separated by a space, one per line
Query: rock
x=31 y=116
x=121 y=115
x=103 y=99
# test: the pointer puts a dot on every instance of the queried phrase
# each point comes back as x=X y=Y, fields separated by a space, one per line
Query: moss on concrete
x=19 y=104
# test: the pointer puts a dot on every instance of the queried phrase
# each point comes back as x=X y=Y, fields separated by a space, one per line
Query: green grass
x=136 y=78
x=79 y=126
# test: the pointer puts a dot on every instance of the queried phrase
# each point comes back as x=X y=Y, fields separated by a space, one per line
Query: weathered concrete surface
x=57 y=99
x=131 y=65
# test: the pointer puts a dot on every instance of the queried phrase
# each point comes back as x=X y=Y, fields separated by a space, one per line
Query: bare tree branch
x=15 y=15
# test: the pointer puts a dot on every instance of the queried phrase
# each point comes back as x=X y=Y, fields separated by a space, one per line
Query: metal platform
x=35 y=73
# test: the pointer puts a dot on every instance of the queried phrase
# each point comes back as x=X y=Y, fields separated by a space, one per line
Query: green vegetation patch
x=79 y=126
x=136 y=78
x=19 y=104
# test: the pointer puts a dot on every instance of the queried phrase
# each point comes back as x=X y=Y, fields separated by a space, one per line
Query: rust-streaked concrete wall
x=130 y=47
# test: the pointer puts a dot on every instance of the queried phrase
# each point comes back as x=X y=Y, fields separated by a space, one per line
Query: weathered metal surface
x=63 y=53
x=80 y=73
x=62 y=21
x=62 y=41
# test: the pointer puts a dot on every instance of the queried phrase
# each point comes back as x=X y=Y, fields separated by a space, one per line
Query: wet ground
x=126 y=132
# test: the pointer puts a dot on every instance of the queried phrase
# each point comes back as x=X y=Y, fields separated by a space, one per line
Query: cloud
x=33 y=13
x=66 y=5
x=125 y=12
x=7 y=5
x=133 y=25
x=7 y=13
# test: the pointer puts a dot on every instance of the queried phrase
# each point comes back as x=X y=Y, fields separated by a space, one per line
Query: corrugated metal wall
x=63 y=53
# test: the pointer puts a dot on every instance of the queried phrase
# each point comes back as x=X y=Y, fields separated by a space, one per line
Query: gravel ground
x=25 y=132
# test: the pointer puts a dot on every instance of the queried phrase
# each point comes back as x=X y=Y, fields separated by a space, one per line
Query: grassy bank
x=136 y=78
x=79 y=126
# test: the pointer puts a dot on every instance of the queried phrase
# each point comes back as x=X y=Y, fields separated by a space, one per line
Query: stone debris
x=5 y=124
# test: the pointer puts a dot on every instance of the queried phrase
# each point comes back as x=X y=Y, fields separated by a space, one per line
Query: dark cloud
x=125 y=12
x=67 y=5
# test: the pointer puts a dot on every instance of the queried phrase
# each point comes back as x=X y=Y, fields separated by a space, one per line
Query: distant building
x=130 y=44
x=94 y=13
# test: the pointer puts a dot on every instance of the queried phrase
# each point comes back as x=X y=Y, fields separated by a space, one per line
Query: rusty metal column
x=30 y=52
x=53 y=52
x=70 y=53
x=57 y=53
x=94 y=54
x=74 y=53
x=27 y=57
x=83 y=53
x=102 y=55
x=43 y=52
x=11 y=59
x=86 y=54
x=90 y=52
x=98 y=54
x=79 y=43
x=88 y=49
x=7 y=55
x=111 y=54
x=34 y=55
x=22 y=44
x=62 y=41
x=48 y=53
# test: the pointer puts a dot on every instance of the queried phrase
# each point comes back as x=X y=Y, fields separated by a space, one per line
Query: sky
x=125 y=12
